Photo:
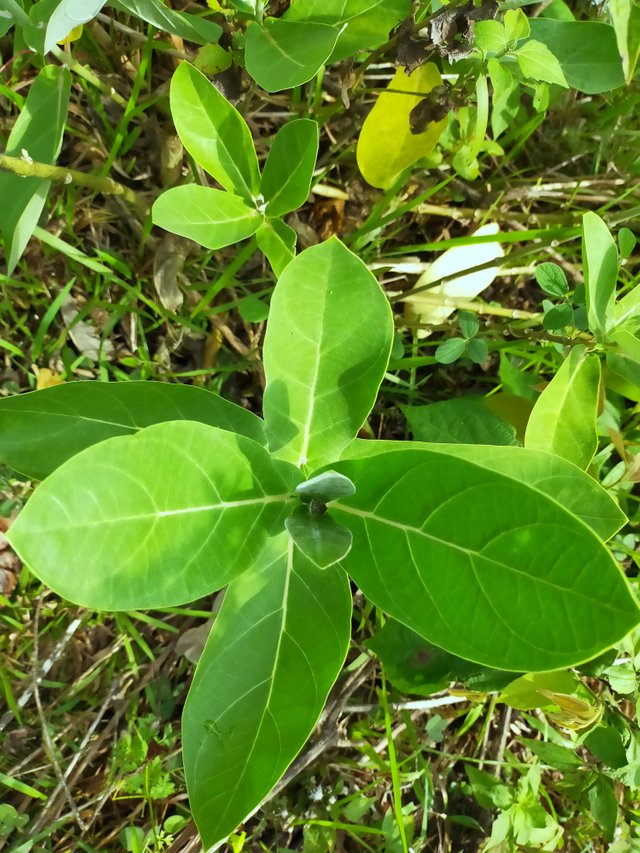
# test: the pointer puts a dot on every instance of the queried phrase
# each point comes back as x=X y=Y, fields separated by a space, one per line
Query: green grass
x=90 y=745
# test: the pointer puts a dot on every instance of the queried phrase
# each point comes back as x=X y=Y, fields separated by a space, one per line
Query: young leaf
x=627 y=309
x=463 y=420
x=516 y=25
x=586 y=50
x=193 y=28
x=277 y=241
x=323 y=369
x=318 y=537
x=154 y=519
x=68 y=15
x=386 y=145
x=276 y=648
x=37 y=132
x=538 y=63
x=625 y=15
x=626 y=242
x=505 y=99
x=552 y=279
x=552 y=476
x=325 y=487
x=451 y=350
x=287 y=174
x=213 y=218
x=563 y=419
x=468 y=324
x=282 y=54
x=480 y=565
x=214 y=132
x=490 y=36
x=477 y=350
x=600 y=264
x=368 y=22
x=41 y=430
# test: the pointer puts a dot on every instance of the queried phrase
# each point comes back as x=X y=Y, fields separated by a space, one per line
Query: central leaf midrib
x=172 y=512
x=407 y=528
x=271 y=677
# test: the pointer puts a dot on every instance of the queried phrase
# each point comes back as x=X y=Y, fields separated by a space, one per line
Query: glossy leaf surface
x=586 y=50
x=368 y=22
x=283 y=54
x=67 y=15
x=563 y=419
x=274 y=652
x=214 y=132
x=551 y=475
x=42 y=429
x=154 y=519
x=487 y=568
x=463 y=420
x=322 y=372
x=190 y=27
x=38 y=131
x=277 y=241
x=386 y=145
x=600 y=262
x=213 y=218
x=287 y=174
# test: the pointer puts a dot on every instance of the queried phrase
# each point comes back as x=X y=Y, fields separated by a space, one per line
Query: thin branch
x=26 y=168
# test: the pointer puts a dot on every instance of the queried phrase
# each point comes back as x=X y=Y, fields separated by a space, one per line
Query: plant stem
x=104 y=185
x=18 y=13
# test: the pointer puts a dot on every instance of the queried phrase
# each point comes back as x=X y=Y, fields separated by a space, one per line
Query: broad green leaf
x=463 y=420
x=214 y=132
x=287 y=174
x=600 y=264
x=274 y=652
x=282 y=54
x=213 y=218
x=416 y=666
x=42 y=429
x=193 y=28
x=368 y=22
x=278 y=242
x=563 y=419
x=37 y=132
x=483 y=566
x=551 y=475
x=556 y=756
x=318 y=537
x=326 y=349
x=586 y=50
x=68 y=15
x=625 y=16
x=505 y=98
x=537 y=62
x=154 y=519
x=386 y=145
x=490 y=36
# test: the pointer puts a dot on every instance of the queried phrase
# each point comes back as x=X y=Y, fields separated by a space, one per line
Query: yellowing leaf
x=433 y=306
x=74 y=35
x=386 y=145
x=46 y=378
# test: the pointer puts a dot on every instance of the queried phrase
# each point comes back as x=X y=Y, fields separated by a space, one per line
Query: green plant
x=467 y=545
